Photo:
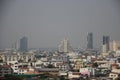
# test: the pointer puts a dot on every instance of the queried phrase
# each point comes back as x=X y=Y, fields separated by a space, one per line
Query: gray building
x=23 y=44
x=90 y=41
x=106 y=41
x=5 y=69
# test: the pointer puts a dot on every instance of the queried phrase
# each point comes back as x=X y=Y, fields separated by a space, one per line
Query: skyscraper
x=90 y=41
x=106 y=41
x=23 y=44
x=65 y=46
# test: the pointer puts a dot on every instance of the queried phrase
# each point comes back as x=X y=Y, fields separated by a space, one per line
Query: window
x=111 y=75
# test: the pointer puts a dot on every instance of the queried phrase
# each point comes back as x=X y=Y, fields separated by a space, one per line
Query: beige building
x=78 y=64
x=75 y=75
x=25 y=57
x=117 y=53
x=104 y=54
x=114 y=75
x=114 y=45
x=65 y=46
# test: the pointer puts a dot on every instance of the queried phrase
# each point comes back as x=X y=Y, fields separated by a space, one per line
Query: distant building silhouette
x=23 y=44
x=90 y=41
x=16 y=45
x=106 y=41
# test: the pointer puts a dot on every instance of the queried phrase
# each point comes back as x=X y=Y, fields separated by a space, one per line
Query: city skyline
x=46 y=23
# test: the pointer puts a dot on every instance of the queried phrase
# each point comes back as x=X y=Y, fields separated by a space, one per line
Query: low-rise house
x=24 y=70
x=102 y=72
x=63 y=66
x=38 y=64
x=74 y=75
x=5 y=69
x=99 y=62
x=112 y=61
x=85 y=71
x=14 y=66
x=53 y=71
x=114 y=75
x=117 y=53
x=31 y=72
x=114 y=66
x=116 y=70
x=72 y=55
x=62 y=73
x=78 y=64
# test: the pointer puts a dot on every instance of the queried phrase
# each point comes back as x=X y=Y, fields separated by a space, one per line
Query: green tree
x=12 y=77
x=1 y=60
x=62 y=78
x=95 y=65
x=50 y=66
x=117 y=79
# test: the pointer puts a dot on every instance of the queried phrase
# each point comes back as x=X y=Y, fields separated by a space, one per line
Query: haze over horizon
x=47 y=22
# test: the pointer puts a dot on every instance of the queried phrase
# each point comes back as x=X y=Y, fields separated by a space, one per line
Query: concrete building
x=24 y=44
x=53 y=71
x=105 y=45
x=74 y=75
x=14 y=65
x=114 y=75
x=90 y=41
x=114 y=45
x=5 y=69
x=25 y=57
x=117 y=53
x=84 y=71
x=65 y=46
x=78 y=64
x=62 y=66
x=38 y=64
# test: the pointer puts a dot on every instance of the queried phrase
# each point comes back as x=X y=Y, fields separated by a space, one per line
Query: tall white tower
x=65 y=46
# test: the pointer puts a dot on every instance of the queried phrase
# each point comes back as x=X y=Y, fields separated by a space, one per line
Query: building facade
x=5 y=69
x=90 y=41
x=114 y=45
x=65 y=46
x=25 y=57
x=23 y=44
x=105 y=45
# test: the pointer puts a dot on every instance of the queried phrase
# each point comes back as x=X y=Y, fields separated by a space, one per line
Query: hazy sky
x=47 y=22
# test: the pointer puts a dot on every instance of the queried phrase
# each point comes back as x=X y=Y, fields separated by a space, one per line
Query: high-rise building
x=90 y=41
x=65 y=46
x=106 y=41
x=16 y=45
x=23 y=44
x=114 y=45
